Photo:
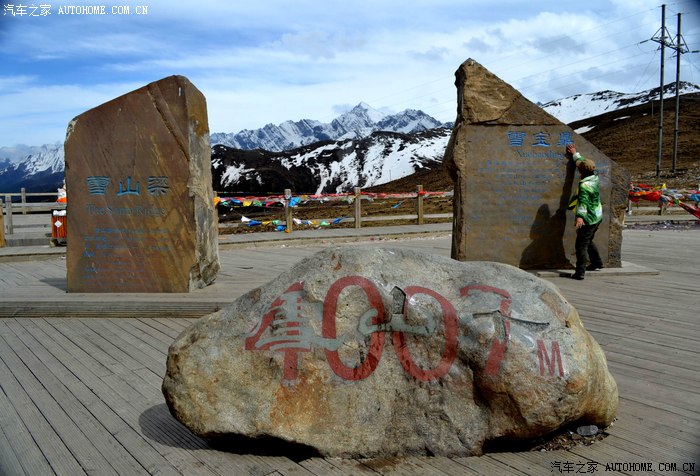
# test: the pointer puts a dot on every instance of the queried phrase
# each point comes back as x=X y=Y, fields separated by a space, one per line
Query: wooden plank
x=450 y=466
x=168 y=333
x=642 y=418
x=226 y=464
x=610 y=460
x=158 y=423
x=147 y=356
x=649 y=370
x=145 y=331
x=91 y=445
x=657 y=396
x=177 y=325
x=320 y=466
x=631 y=445
x=521 y=464
x=121 y=364
x=683 y=444
x=19 y=453
x=59 y=457
x=403 y=466
x=343 y=466
x=656 y=370
x=58 y=361
x=132 y=435
x=485 y=465
x=287 y=467
x=65 y=329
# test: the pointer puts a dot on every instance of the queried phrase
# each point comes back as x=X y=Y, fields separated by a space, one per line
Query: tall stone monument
x=141 y=214
x=513 y=180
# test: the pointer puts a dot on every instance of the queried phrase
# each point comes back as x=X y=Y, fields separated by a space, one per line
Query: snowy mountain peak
x=356 y=123
x=582 y=106
x=329 y=167
x=367 y=110
x=40 y=168
x=48 y=159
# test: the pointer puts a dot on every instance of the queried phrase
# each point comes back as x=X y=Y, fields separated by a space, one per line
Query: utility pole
x=663 y=42
x=681 y=48
x=678 y=96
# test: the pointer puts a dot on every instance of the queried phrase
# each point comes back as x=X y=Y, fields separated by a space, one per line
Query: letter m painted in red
x=553 y=362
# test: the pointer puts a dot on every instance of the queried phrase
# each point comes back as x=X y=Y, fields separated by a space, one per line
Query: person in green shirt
x=589 y=214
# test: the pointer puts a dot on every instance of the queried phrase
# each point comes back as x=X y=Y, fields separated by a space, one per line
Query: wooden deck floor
x=81 y=395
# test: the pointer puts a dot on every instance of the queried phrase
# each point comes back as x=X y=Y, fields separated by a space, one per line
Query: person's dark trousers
x=586 y=249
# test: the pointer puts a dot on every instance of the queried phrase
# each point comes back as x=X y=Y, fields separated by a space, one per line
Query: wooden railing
x=355 y=197
x=24 y=206
x=8 y=207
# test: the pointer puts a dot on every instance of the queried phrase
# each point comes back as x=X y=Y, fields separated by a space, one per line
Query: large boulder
x=361 y=352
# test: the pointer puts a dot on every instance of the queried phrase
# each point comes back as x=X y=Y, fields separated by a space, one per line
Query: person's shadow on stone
x=547 y=232
x=547 y=248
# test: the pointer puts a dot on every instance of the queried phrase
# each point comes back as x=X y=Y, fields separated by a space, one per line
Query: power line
x=508 y=57
x=405 y=96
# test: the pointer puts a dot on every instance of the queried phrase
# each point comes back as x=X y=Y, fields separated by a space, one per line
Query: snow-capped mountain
x=330 y=166
x=583 y=106
x=40 y=171
x=359 y=122
x=316 y=156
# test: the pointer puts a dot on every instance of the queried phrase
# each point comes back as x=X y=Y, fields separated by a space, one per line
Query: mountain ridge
x=358 y=132
x=357 y=123
x=581 y=106
x=328 y=166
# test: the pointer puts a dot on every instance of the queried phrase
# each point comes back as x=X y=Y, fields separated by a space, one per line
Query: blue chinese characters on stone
x=516 y=138
x=128 y=190
x=158 y=186
x=541 y=139
x=565 y=138
x=97 y=185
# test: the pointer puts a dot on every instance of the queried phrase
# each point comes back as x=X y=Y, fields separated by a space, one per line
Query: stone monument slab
x=141 y=214
x=513 y=180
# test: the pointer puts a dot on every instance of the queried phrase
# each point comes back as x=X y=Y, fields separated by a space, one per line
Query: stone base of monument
x=360 y=352
x=626 y=268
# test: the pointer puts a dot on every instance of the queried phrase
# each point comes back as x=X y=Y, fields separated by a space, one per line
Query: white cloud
x=271 y=60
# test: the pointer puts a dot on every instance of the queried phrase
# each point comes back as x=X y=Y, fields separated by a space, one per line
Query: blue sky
x=266 y=61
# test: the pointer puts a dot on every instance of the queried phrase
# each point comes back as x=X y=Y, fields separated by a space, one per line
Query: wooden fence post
x=8 y=214
x=419 y=204
x=2 y=228
x=288 y=210
x=23 y=192
x=358 y=207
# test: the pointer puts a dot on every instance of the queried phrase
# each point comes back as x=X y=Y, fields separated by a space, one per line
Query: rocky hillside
x=328 y=166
